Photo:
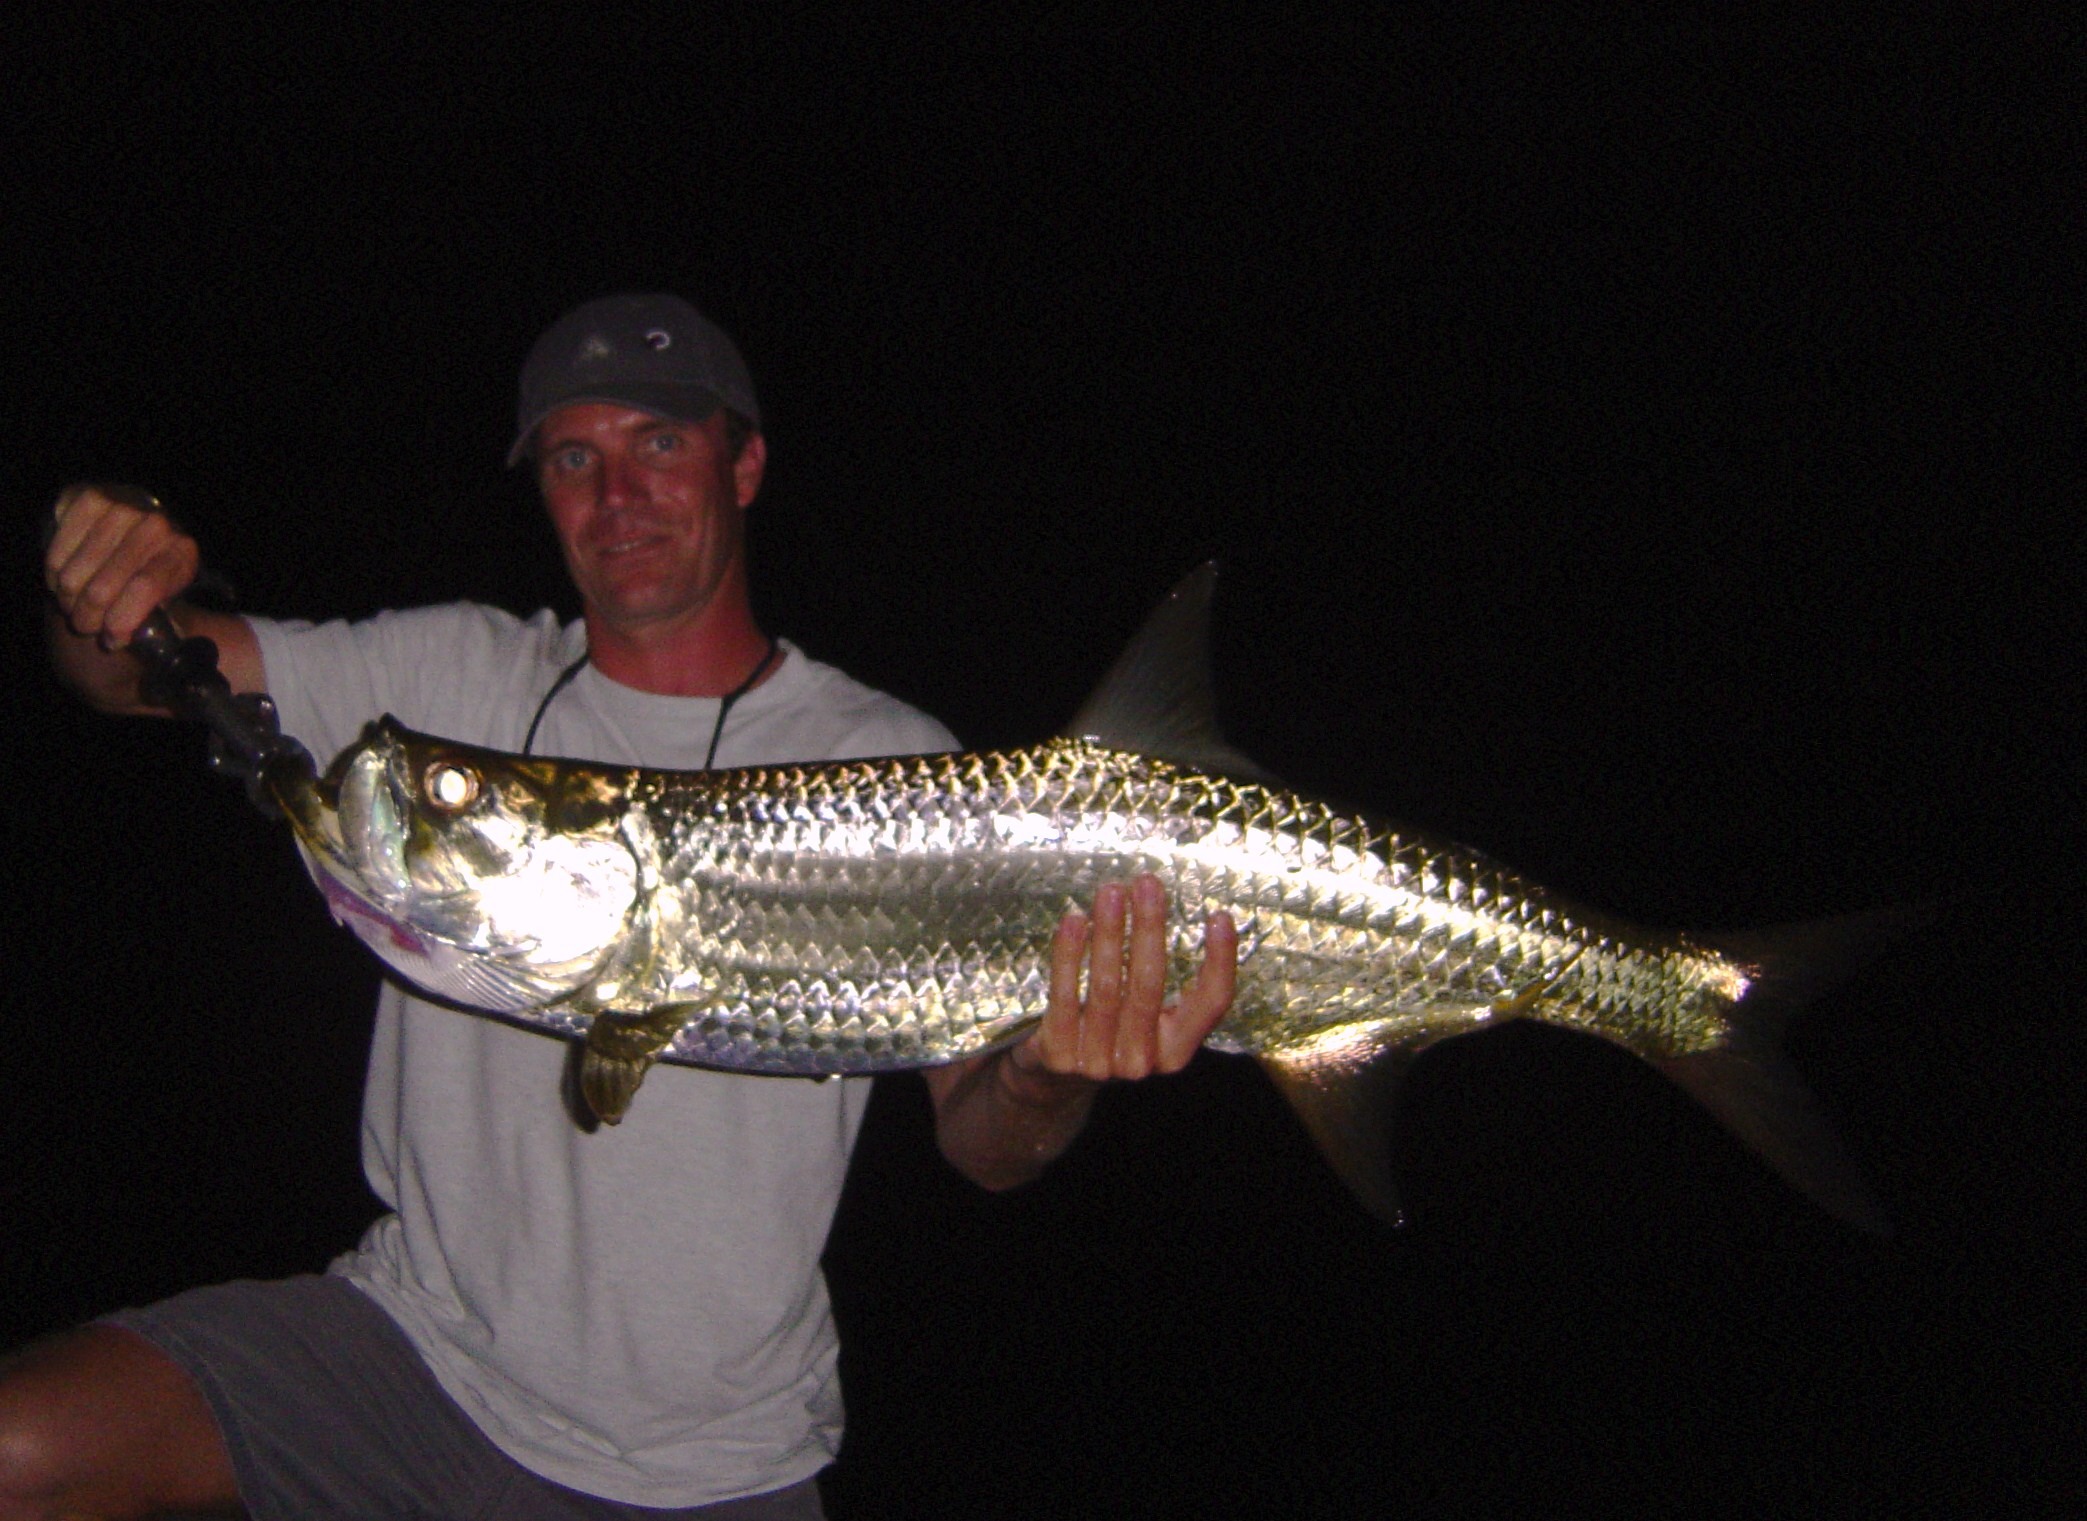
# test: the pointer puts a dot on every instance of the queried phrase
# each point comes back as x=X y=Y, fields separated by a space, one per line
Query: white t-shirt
x=636 y=1313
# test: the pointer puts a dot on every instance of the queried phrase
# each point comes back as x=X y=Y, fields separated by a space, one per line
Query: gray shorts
x=327 y=1411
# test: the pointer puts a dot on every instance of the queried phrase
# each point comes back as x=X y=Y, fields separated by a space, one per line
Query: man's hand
x=114 y=556
x=1001 y=1119
x=1123 y=1027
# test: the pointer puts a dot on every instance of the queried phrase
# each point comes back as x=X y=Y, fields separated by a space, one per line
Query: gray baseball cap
x=653 y=352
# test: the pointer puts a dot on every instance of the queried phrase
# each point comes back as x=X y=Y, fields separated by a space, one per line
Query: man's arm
x=1002 y=1118
x=111 y=561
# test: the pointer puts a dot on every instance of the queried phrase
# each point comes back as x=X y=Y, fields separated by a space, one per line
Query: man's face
x=650 y=512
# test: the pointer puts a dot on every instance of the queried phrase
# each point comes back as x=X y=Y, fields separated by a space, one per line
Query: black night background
x=1641 y=442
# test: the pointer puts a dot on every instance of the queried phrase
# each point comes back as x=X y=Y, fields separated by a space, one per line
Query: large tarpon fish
x=872 y=915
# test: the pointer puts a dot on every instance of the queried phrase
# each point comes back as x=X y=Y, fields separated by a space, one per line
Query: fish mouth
x=314 y=812
x=372 y=816
x=357 y=835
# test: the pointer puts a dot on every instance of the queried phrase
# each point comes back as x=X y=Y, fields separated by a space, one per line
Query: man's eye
x=569 y=459
x=664 y=443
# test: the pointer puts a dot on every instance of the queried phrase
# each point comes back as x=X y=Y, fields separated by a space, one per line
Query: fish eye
x=449 y=786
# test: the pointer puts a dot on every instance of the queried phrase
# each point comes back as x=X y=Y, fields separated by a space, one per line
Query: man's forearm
x=1001 y=1124
x=107 y=680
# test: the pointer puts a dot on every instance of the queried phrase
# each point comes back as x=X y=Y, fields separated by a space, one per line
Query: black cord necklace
x=557 y=686
x=717 y=730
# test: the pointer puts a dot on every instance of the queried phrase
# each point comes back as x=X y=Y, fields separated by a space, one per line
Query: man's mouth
x=626 y=544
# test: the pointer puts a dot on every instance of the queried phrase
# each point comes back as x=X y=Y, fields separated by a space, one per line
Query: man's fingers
x=83 y=518
x=1104 y=1002
x=1057 y=1040
x=89 y=578
x=1124 y=1027
x=83 y=543
x=136 y=580
x=138 y=596
x=1145 y=980
x=68 y=527
x=110 y=563
x=1207 y=997
x=124 y=589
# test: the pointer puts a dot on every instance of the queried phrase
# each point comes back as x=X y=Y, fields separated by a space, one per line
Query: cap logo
x=595 y=349
x=660 y=338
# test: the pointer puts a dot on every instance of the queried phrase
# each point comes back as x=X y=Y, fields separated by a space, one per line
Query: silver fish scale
x=884 y=914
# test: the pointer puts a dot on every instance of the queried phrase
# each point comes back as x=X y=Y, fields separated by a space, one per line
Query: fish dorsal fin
x=1158 y=699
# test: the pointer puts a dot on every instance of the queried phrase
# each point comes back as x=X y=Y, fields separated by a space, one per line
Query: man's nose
x=622 y=483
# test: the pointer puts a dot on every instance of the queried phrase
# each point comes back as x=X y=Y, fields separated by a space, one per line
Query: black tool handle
x=182 y=674
x=245 y=739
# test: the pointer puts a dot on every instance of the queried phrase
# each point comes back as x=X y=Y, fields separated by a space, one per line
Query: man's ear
x=748 y=469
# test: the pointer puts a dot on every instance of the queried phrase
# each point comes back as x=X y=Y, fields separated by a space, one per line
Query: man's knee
x=99 y=1422
x=32 y=1430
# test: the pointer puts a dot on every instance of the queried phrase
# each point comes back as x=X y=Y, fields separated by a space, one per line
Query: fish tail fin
x=1751 y=1086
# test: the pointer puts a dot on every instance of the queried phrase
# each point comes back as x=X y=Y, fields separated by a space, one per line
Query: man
x=551 y=1322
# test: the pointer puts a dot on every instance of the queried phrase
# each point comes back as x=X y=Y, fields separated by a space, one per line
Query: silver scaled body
x=875 y=915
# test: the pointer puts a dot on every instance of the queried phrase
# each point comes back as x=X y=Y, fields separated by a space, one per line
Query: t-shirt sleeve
x=459 y=670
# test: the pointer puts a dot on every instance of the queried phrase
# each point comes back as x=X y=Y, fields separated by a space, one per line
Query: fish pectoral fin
x=1346 y=1105
x=619 y=1050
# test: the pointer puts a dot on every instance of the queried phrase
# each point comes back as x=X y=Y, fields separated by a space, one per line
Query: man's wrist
x=1038 y=1087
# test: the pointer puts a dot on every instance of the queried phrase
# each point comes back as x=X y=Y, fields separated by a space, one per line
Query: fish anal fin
x=619 y=1050
x=1158 y=698
x=1346 y=1106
